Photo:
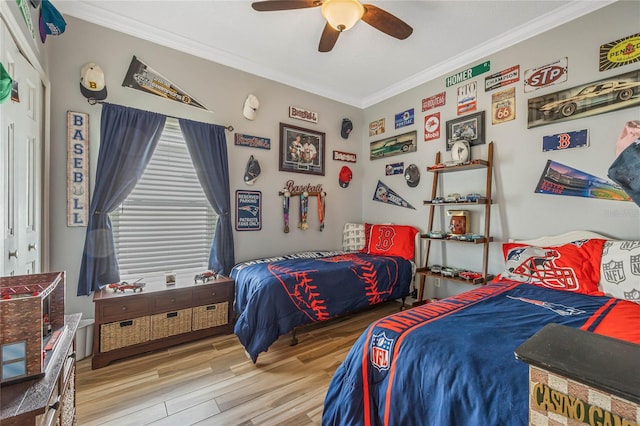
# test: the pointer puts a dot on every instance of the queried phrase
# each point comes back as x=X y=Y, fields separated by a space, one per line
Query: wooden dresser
x=129 y=323
x=49 y=400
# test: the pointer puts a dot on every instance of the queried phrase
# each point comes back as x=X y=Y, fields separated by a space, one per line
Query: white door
x=21 y=164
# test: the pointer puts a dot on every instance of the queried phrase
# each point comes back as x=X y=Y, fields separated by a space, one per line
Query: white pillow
x=353 y=237
x=620 y=270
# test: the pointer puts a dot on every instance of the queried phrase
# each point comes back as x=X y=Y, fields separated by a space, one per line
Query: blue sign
x=567 y=140
x=394 y=169
x=404 y=118
x=248 y=210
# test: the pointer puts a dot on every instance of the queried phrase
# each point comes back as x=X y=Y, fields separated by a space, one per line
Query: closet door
x=21 y=160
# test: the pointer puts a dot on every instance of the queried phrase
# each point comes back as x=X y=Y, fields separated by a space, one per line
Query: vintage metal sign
x=344 y=156
x=621 y=52
x=467 y=97
x=502 y=78
x=77 y=169
x=303 y=114
x=434 y=101
x=404 y=118
x=546 y=75
x=248 y=210
x=503 y=106
x=252 y=141
x=567 y=140
x=394 y=169
x=432 y=126
x=468 y=74
x=377 y=127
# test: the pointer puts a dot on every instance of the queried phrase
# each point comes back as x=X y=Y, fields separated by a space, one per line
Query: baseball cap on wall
x=92 y=84
x=412 y=175
x=250 y=108
x=252 y=171
x=347 y=127
x=345 y=176
x=51 y=21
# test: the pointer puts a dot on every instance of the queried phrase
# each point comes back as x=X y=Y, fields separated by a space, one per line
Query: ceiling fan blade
x=273 y=5
x=386 y=22
x=328 y=38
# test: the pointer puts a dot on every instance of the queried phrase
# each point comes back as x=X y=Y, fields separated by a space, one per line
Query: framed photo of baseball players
x=301 y=150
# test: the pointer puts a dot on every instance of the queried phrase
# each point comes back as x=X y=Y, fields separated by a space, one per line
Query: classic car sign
x=303 y=114
x=468 y=73
x=467 y=97
x=404 y=118
x=621 y=52
x=252 y=141
x=502 y=78
x=567 y=140
x=434 y=101
x=77 y=169
x=344 y=156
x=394 y=145
x=546 y=75
x=432 y=126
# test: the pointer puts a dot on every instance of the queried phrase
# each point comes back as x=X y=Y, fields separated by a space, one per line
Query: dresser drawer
x=217 y=292
x=123 y=308
x=171 y=300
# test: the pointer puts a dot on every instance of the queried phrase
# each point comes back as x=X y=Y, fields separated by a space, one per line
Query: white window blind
x=166 y=223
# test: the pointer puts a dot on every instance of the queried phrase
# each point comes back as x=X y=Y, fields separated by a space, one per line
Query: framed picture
x=301 y=150
x=400 y=144
x=469 y=128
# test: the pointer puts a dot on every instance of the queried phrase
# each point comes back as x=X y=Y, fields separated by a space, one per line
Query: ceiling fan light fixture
x=342 y=14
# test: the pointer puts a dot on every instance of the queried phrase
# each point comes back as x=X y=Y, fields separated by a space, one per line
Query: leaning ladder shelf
x=486 y=202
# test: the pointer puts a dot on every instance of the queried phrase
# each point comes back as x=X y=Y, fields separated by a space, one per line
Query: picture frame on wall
x=469 y=128
x=301 y=150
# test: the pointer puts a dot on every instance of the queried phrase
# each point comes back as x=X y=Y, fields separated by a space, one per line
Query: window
x=166 y=223
x=14 y=360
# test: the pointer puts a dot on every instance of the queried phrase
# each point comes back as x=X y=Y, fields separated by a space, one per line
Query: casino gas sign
x=547 y=399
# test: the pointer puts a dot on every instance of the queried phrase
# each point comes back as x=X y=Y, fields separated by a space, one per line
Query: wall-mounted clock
x=461 y=152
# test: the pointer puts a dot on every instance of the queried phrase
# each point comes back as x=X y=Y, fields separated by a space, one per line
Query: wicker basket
x=119 y=334
x=210 y=315
x=170 y=323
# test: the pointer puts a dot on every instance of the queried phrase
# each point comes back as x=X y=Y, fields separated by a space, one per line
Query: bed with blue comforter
x=275 y=295
x=452 y=362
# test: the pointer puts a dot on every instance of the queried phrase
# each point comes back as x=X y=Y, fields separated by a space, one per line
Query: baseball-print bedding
x=452 y=362
x=275 y=295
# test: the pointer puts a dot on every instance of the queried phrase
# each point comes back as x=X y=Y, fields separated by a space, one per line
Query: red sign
x=546 y=75
x=432 y=126
x=344 y=156
x=434 y=101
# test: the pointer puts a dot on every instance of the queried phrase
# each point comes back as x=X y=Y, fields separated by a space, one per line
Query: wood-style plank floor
x=213 y=382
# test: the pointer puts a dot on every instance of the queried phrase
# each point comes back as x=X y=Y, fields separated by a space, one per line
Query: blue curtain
x=207 y=146
x=128 y=137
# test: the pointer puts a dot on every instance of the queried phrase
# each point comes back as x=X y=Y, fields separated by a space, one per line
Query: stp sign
x=547 y=75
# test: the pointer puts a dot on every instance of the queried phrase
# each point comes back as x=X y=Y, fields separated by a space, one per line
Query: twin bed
x=452 y=362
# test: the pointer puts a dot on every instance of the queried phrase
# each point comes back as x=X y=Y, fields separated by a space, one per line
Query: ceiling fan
x=342 y=15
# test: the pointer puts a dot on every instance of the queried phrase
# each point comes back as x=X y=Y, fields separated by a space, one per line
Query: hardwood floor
x=213 y=382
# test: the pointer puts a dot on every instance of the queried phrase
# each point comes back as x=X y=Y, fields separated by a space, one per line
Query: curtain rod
x=93 y=101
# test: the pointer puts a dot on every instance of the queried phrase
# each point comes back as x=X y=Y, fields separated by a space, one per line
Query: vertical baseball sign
x=77 y=168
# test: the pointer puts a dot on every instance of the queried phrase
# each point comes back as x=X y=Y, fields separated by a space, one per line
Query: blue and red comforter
x=273 y=296
x=452 y=362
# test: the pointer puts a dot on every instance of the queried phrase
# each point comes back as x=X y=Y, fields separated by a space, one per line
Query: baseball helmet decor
x=412 y=175
x=252 y=171
x=347 y=127
x=250 y=108
x=92 y=85
x=51 y=21
x=345 y=176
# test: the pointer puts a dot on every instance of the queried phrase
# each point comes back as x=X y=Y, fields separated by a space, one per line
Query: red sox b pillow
x=392 y=240
x=571 y=267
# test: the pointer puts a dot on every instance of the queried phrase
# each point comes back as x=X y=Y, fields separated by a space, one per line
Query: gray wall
x=518 y=213
x=519 y=160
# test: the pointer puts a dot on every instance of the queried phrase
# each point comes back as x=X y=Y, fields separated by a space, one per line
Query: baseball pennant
x=384 y=194
x=146 y=79
x=558 y=179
